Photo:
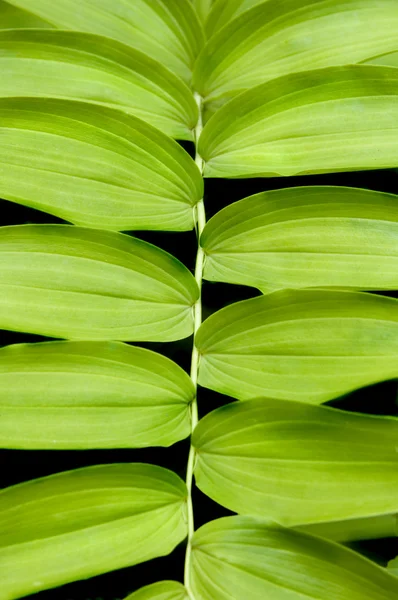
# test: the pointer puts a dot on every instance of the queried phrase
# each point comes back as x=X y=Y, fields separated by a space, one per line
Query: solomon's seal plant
x=93 y=96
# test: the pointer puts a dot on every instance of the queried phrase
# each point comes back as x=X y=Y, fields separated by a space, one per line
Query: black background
x=18 y=466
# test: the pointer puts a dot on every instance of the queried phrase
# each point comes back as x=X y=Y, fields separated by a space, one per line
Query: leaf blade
x=238 y=556
x=283 y=37
x=12 y=17
x=94 y=166
x=299 y=345
x=225 y=10
x=297 y=464
x=60 y=528
x=305 y=237
x=163 y=590
x=87 y=67
x=81 y=395
x=202 y=8
x=297 y=125
x=370 y=528
x=68 y=282
x=168 y=32
x=387 y=60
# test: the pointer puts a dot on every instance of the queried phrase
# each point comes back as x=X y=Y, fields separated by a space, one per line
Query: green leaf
x=239 y=557
x=163 y=590
x=68 y=282
x=287 y=36
x=356 y=529
x=295 y=463
x=82 y=66
x=224 y=11
x=202 y=8
x=392 y=567
x=299 y=345
x=82 y=395
x=301 y=123
x=167 y=31
x=306 y=237
x=11 y=16
x=95 y=166
x=78 y=524
x=388 y=60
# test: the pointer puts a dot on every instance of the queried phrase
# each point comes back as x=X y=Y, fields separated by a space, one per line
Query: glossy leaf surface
x=94 y=166
x=299 y=124
x=81 y=66
x=306 y=237
x=286 y=36
x=91 y=395
x=300 y=345
x=294 y=463
x=166 y=30
x=163 y=590
x=239 y=557
x=78 y=524
x=69 y=282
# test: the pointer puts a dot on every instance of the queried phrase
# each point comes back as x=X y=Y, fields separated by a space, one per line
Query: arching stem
x=200 y=221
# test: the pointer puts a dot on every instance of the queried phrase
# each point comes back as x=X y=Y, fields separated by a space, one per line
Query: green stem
x=200 y=221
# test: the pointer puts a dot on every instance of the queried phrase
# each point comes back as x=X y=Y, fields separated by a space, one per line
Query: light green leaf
x=78 y=524
x=388 y=60
x=81 y=66
x=239 y=557
x=306 y=237
x=166 y=30
x=287 y=36
x=68 y=282
x=356 y=529
x=163 y=590
x=82 y=395
x=224 y=11
x=202 y=7
x=301 y=124
x=299 y=345
x=11 y=17
x=95 y=166
x=296 y=464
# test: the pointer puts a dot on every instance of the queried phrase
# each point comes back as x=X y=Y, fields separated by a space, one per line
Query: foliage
x=94 y=97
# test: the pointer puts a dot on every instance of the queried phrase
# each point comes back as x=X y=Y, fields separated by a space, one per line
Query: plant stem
x=200 y=221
